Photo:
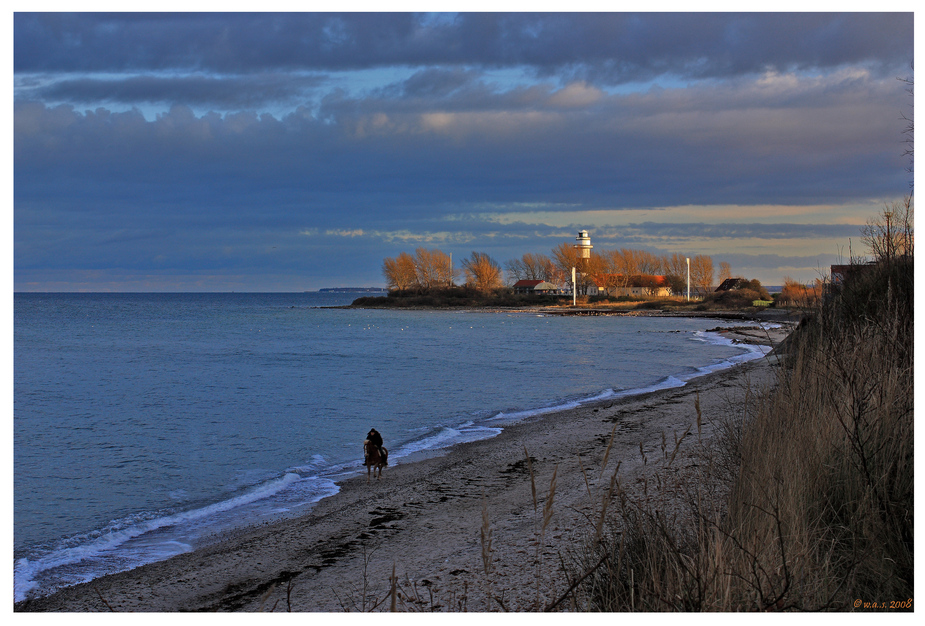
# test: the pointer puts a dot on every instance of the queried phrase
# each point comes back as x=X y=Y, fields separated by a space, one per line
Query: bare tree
x=516 y=271
x=890 y=234
x=629 y=262
x=531 y=267
x=565 y=257
x=675 y=265
x=674 y=268
x=647 y=263
x=795 y=293
x=909 y=130
x=446 y=273
x=616 y=270
x=702 y=274
x=482 y=272
x=725 y=271
x=399 y=272
x=433 y=268
x=597 y=270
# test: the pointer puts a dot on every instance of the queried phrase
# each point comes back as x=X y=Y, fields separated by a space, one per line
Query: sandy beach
x=424 y=518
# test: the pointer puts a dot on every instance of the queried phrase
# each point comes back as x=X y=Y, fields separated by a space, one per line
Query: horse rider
x=376 y=439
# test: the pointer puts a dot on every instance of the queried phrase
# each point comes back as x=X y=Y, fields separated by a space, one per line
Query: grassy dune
x=806 y=500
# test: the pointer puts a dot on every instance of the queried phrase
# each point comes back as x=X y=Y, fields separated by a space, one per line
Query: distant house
x=841 y=273
x=535 y=287
x=640 y=285
x=730 y=284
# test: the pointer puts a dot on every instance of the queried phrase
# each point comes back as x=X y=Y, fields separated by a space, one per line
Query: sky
x=296 y=151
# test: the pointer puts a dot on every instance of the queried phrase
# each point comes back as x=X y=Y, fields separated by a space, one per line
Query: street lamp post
x=688 y=279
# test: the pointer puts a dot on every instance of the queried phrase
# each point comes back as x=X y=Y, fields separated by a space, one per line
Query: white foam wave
x=106 y=551
x=669 y=382
x=447 y=436
x=749 y=352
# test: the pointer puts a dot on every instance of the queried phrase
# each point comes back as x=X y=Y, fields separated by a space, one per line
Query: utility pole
x=688 y=279
x=889 y=235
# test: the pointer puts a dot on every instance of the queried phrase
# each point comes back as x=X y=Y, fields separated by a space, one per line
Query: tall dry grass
x=819 y=513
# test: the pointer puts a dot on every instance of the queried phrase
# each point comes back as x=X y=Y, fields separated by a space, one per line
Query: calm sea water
x=144 y=423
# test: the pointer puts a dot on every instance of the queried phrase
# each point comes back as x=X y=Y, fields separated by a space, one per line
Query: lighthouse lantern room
x=584 y=244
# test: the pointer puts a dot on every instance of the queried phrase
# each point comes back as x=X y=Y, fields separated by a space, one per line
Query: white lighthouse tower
x=584 y=244
x=584 y=251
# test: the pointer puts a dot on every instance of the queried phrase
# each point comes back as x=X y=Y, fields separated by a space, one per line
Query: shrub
x=734 y=299
x=796 y=294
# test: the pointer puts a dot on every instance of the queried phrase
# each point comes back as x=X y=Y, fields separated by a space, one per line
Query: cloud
x=356 y=232
x=233 y=144
x=733 y=231
x=405 y=236
x=252 y=91
x=599 y=48
x=434 y=83
x=824 y=140
x=576 y=95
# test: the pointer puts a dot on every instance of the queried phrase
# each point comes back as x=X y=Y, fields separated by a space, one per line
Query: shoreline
x=424 y=517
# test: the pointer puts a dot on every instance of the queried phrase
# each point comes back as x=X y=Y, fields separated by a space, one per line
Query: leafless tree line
x=426 y=269
x=890 y=234
x=608 y=269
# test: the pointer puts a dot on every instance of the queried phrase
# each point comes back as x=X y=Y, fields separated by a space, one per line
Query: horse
x=373 y=460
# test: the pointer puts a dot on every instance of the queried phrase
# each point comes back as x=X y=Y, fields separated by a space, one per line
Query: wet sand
x=424 y=519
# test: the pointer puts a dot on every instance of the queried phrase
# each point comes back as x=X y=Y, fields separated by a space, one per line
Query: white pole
x=574 y=291
x=688 y=279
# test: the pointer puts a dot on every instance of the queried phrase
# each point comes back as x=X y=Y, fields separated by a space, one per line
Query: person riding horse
x=376 y=439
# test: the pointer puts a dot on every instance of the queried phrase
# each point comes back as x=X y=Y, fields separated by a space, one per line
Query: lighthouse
x=584 y=252
x=584 y=244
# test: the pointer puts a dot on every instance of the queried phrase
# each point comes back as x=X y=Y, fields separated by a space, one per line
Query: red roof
x=637 y=280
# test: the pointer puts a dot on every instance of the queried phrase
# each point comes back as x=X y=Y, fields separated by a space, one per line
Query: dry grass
x=820 y=476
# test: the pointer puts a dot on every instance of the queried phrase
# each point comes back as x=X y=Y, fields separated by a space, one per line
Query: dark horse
x=374 y=461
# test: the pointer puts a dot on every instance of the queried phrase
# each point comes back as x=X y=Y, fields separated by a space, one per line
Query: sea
x=145 y=425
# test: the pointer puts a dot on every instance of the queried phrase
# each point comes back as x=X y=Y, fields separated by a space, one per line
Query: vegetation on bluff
x=818 y=474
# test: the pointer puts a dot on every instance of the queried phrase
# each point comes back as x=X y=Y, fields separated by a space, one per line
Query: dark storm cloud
x=774 y=140
x=612 y=47
x=433 y=83
x=189 y=143
x=235 y=92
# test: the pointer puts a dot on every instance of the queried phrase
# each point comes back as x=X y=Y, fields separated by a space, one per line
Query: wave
x=146 y=538
x=444 y=437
